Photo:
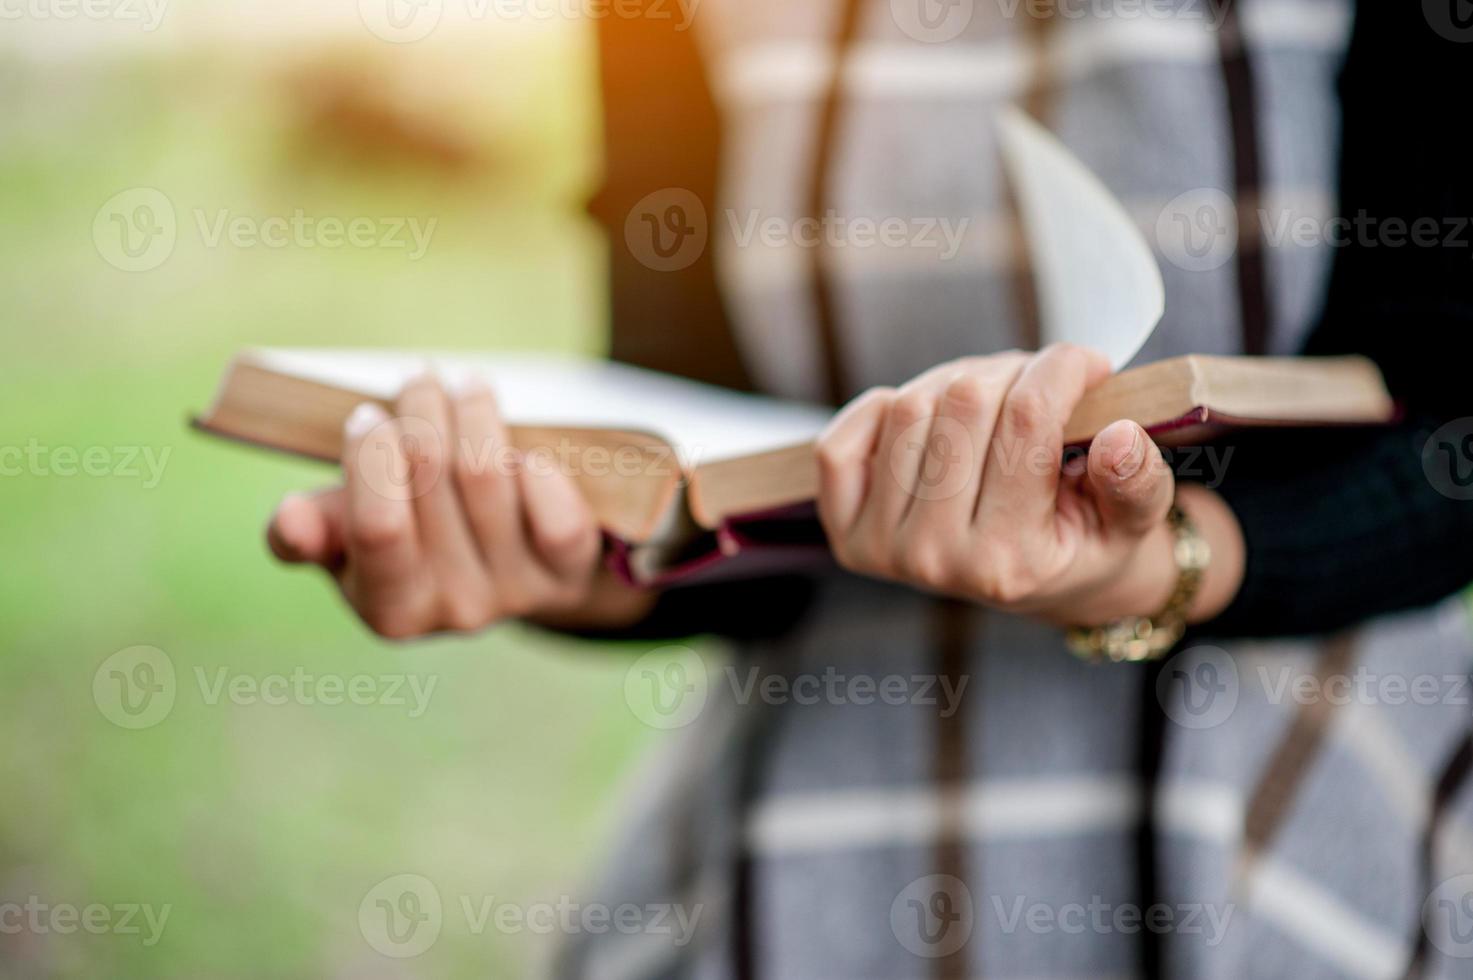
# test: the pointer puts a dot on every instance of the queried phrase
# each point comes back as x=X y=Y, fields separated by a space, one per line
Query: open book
x=691 y=481
x=682 y=475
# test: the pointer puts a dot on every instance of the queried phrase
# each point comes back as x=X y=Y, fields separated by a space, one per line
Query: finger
x=1131 y=483
x=486 y=466
x=895 y=466
x=383 y=550
x=918 y=465
x=957 y=446
x=1021 y=479
x=559 y=521
x=308 y=528
x=429 y=439
x=843 y=452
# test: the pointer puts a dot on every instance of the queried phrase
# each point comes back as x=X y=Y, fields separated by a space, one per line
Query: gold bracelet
x=1137 y=638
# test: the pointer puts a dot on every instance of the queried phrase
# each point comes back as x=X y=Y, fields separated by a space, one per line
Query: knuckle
x=378 y=532
x=516 y=602
x=567 y=537
x=1025 y=410
x=1011 y=589
x=968 y=392
x=924 y=563
x=1016 y=584
x=1074 y=358
x=1000 y=577
x=877 y=396
x=854 y=555
x=391 y=623
x=463 y=613
x=831 y=458
x=910 y=407
x=474 y=467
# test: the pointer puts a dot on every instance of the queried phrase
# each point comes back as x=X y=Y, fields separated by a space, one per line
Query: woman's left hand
x=955 y=483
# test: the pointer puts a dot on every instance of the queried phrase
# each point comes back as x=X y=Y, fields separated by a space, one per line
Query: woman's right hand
x=440 y=526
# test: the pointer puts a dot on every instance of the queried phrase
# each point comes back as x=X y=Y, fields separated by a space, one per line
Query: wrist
x=1198 y=526
x=1135 y=637
x=1147 y=578
x=1219 y=528
x=1139 y=585
x=1184 y=570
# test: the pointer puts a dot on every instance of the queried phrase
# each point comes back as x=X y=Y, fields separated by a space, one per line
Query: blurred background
x=252 y=802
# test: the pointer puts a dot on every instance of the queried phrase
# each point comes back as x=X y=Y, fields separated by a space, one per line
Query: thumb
x=1133 y=487
x=308 y=528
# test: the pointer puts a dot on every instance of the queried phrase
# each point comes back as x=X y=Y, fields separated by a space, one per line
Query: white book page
x=703 y=422
x=1098 y=283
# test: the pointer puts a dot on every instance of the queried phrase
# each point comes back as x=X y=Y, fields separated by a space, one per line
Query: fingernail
x=364 y=418
x=1130 y=461
x=471 y=384
x=425 y=376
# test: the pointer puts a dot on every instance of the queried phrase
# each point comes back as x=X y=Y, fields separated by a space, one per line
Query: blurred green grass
x=263 y=826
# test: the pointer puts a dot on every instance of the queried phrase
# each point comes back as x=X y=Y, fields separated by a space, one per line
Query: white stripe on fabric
x=1323 y=24
x=1320 y=922
x=984 y=244
x=1207 y=811
x=844 y=820
x=962 y=246
x=1377 y=746
x=791 y=71
x=1064 y=976
x=1086 y=47
x=999 y=69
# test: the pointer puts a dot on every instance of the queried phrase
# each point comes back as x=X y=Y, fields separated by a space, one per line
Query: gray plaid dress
x=1264 y=809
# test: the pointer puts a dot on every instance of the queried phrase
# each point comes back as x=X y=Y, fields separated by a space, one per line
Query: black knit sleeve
x=1342 y=526
x=752 y=609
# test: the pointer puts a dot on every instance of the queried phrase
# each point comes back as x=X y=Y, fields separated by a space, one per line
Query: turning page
x=1098 y=283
